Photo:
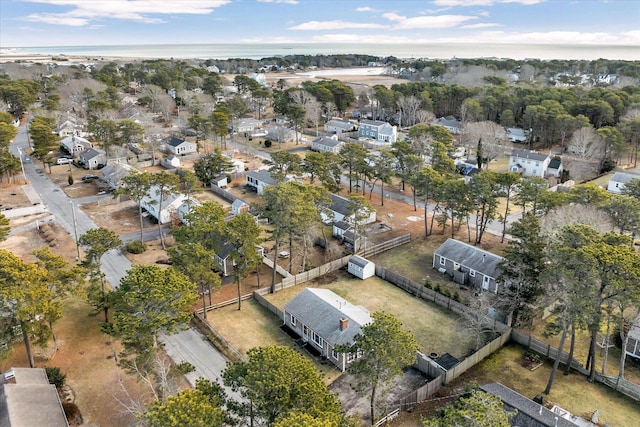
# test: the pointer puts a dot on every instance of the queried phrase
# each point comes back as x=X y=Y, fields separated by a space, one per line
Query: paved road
x=188 y=345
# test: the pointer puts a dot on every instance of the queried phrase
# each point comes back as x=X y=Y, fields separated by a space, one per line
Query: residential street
x=189 y=345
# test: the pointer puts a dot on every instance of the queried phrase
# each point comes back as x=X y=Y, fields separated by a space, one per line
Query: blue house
x=378 y=130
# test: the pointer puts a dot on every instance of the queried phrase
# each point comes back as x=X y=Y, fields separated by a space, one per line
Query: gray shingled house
x=468 y=265
x=324 y=320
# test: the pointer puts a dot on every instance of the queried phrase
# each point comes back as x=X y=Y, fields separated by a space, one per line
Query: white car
x=63 y=161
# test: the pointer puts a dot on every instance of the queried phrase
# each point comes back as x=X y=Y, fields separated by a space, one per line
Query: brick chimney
x=344 y=322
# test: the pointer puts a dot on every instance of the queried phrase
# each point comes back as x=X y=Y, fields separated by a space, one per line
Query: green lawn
x=256 y=326
x=436 y=329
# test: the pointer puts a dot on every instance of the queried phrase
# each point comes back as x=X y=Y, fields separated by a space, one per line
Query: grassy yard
x=435 y=329
x=255 y=326
x=572 y=392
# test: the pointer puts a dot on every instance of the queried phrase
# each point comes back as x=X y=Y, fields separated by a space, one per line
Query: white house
x=247 y=125
x=361 y=267
x=619 y=179
x=259 y=180
x=340 y=212
x=378 y=130
x=517 y=135
x=529 y=163
x=261 y=78
x=74 y=144
x=633 y=344
x=452 y=124
x=337 y=126
x=92 y=158
x=170 y=204
x=179 y=147
x=324 y=143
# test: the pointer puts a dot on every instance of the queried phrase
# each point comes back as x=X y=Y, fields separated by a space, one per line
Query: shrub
x=445 y=292
x=456 y=296
x=55 y=376
x=428 y=284
x=267 y=143
x=136 y=247
x=436 y=288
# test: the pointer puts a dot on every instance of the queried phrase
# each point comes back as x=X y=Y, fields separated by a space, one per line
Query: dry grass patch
x=255 y=326
x=573 y=393
x=436 y=329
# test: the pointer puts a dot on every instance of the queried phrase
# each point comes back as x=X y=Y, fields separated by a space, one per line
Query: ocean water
x=258 y=51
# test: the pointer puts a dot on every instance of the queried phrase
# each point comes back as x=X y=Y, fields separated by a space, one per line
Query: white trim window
x=335 y=354
x=293 y=320
x=317 y=339
x=472 y=273
x=443 y=261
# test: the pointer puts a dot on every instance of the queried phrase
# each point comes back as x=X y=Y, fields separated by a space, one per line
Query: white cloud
x=549 y=37
x=279 y=1
x=359 y=38
x=476 y=26
x=427 y=22
x=333 y=25
x=366 y=9
x=484 y=2
x=83 y=11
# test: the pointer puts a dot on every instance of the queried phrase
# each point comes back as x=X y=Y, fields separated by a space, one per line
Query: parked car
x=63 y=161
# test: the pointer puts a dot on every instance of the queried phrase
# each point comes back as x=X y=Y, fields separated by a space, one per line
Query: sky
x=25 y=23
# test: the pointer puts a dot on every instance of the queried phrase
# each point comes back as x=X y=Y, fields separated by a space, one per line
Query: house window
x=335 y=354
x=443 y=261
x=472 y=273
x=456 y=266
x=293 y=321
x=317 y=339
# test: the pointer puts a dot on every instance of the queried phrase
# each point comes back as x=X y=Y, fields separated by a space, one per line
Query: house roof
x=321 y=310
x=517 y=132
x=373 y=122
x=340 y=124
x=264 y=176
x=173 y=141
x=470 y=257
x=223 y=249
x=448 y=121
x=359 y=261
x=555 y=164
x=326 y=141
x=530 y=413
x=624 y=177
x=238 y=203
x=339 y=204
x=30 y=401
x=342 y=225
x=529 y=155
x=91 y=153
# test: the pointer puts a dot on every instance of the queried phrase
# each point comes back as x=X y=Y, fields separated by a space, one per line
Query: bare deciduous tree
x=409 y=106
x=494 y=139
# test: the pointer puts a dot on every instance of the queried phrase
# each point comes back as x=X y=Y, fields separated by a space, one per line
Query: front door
x=305 y=333
x=485 y=283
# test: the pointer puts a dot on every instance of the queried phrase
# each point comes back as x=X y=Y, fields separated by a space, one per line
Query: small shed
x=220 y=181
x=361 y=267
x=173 y=161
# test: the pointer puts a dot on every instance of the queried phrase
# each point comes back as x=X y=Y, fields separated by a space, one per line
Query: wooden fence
x=216 y=339
x=386 y=245
x=623 y=386
x=223 y=193
x=388 y=418
x=426 y=364
x=268 y=305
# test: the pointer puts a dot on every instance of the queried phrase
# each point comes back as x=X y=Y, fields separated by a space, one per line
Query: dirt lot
x=85 y=354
